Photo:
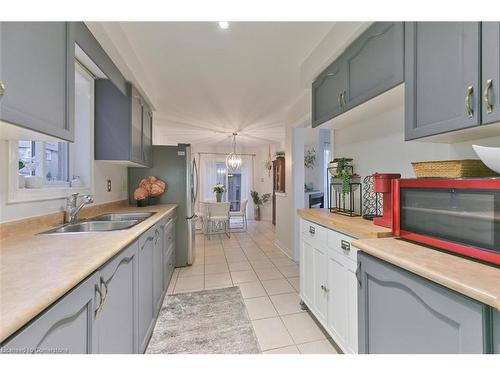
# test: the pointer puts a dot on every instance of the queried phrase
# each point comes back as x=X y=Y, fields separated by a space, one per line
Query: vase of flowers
x=219 y=189
x=149 y=189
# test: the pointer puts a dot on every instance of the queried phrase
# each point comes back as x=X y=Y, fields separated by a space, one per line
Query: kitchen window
x=44 y=170
x=48 y=160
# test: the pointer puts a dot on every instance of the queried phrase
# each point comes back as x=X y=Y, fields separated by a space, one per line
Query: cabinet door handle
x=344 y=103
x=312 y=230
x=345 y=245
x=468 y=101
x=98 y=290
x=339 y=99
x=358 y=274
x=102 y=282
x=486 y=96
x=2 y=88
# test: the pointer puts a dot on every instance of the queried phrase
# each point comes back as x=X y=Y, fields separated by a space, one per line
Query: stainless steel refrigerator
x=177 y=167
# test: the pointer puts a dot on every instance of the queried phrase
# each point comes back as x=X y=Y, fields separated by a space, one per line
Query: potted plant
x=259 y=201
x=22 y=179
x=219 y=189
x=343 y=175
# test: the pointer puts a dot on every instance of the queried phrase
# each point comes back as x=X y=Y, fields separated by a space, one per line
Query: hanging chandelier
x=233 y=160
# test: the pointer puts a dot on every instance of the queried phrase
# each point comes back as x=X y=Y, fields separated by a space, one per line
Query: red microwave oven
x=456 y=215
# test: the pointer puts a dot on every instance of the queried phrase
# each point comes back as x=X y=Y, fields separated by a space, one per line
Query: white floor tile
x=240 y=266
x=260 y=308
x=243 y=276
x=190 y=283
x=317 y=347
x=216 y=268
x=218 y=280
x=252 y=289
x=302 y=328
x=271 y=333
x=286 y=303
x=278 y=286
x=268 y=274
x=285 y=350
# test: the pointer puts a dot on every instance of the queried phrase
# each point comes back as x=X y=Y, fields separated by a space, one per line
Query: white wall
x=102 y=171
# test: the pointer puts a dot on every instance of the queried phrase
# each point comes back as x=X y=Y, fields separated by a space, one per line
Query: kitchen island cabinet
x=400 y=312
x=328 y=282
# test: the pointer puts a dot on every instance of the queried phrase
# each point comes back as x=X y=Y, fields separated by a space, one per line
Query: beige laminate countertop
x=473 y=279
x=352 y=226
x=36 y=270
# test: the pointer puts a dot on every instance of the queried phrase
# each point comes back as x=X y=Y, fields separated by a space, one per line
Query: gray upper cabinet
x=371 y=65
x=327 y=93
x=442 y=81
x=120 y=131
x=117 y=314
x=374 y=62
x=136 y=117
x=145 y=288
x=67 y=327
x=147 y=135
x=400 y=312
x=490 y=60
x=37 y=75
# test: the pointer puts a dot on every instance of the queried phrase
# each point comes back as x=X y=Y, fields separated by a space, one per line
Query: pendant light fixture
x=233 y=160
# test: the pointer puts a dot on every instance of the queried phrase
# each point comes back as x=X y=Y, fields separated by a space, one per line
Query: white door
x=338 y=303
x=307 y=273
x=320 y=283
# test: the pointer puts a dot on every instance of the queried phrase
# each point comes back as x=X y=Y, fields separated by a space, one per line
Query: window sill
x=44 y=194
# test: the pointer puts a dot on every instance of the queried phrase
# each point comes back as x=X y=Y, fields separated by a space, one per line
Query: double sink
x=103 y=223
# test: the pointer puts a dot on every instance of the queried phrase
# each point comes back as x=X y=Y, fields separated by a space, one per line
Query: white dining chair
x=241 y=213
x=217 y=217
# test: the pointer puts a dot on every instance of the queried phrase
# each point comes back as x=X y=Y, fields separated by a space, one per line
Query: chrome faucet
x=72 y=209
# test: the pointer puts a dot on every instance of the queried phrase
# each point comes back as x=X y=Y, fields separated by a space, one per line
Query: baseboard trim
x=283 y=248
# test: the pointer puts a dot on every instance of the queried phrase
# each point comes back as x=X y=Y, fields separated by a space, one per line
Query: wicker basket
x=452 y=169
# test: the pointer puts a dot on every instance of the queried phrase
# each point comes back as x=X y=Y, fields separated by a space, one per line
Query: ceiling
x=208 y=82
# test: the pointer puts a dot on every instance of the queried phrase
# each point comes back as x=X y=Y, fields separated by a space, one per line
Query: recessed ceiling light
x=223 y=24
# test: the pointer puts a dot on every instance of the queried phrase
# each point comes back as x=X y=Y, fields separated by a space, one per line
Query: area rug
x=206 y=322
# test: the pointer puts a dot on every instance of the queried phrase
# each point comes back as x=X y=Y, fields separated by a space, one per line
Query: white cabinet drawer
x=342 y=244
x=313 y=232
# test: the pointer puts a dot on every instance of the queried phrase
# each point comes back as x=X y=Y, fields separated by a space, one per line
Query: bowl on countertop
x=489 y=156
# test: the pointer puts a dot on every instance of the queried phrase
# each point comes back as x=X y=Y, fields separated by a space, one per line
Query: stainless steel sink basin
x=124 y=216
x=93 y=226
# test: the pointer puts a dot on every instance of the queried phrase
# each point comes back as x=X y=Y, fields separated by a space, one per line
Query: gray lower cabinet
x=158 y=269
x=374 y=62
x=121 y=131
x=66 y=327
x=400 y=312
x=116 y=316
x=490 y=64
x=145 y=288
x=328 y=93
x=112 y=311
x=442 y=77
x=37 y=75
x=168 y=225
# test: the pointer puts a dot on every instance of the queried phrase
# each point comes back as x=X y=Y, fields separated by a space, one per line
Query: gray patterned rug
x=206 y=322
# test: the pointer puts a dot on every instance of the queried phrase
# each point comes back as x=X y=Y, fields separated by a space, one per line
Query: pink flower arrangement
x=150 y=187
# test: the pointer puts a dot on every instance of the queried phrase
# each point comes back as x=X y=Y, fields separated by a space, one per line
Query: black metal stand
x=338 y=198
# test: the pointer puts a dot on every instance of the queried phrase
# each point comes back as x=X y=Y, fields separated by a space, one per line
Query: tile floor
x=269 y=283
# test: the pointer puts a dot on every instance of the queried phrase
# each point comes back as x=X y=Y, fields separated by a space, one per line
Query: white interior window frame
x=47 y=192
